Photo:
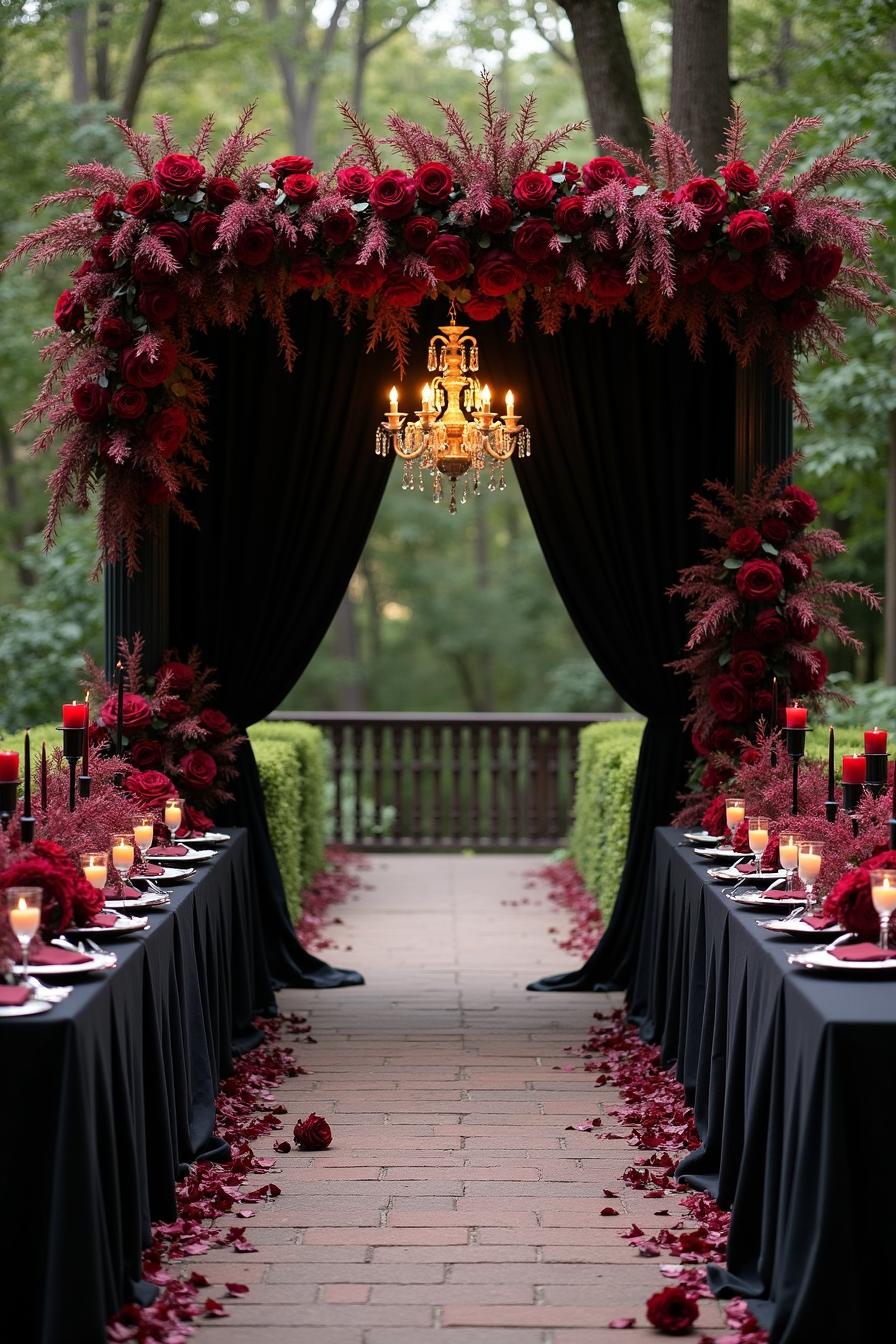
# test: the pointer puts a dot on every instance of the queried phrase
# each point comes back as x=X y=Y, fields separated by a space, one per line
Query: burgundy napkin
x=126 y=893
x=105 y=919
x=47 y=955
x=862 y=952
x=147 y=870
x=819 y=922
x=747 y=868
x=13 y=996
x=168 y=851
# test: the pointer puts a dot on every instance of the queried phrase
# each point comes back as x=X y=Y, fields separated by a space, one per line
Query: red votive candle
x=74 y=715
x=875 y=742
x=796 y=716
x=9 y=765
x=854 y=768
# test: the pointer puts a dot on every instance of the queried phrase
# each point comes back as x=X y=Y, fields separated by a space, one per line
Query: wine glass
x=757 y=835
x=811 y=853
x=23 y=907
x=883 y=896
x=173 y=816
x=789 y=849
x=734 y=815
x=144 y=830
x=122 y=847
x=95 y=867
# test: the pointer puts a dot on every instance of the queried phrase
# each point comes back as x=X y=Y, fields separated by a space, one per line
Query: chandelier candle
x=830 y=807
x=26 y=821
x=9 y=785
x=795 y=734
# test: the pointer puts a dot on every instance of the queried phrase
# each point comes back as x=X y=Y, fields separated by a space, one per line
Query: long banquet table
x=792 y=1076
x=108 y=1097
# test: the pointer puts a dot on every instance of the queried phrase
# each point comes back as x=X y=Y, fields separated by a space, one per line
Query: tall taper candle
x=26 y=800
x=43 y=776
x=831 y=763
x=119 y=672
x=774 y=754
x=85 y=764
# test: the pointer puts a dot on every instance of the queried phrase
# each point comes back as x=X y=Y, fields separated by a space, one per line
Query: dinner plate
x=28 y=1009
x=700 y=837
x=796 y=928
x=124 y=924
x=150 y=901
x=167 y=875
x=97 y=962
x=192 y=856
x=726 y=875
x=820 y=959
x=210 y=838
x=755 y=899
x=720 y=853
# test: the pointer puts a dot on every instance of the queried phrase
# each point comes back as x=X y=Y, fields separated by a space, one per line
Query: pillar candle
x=172 y=815
x=97 y=873
x=9 y=765
x=875 y=742
x=143 y=834
x=809 y=866
x=854 y=768
x=831 y=765
x=883 y=894
x=74 y=715
x=797 y=716
x=122 y=855
x=24 y=919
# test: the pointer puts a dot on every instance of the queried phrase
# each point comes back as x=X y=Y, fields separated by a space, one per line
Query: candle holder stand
x=893 y=832
x=84 y=783
x=796 y=750
x=876 y=763
x=26 y=829
x=73 y=751
x=852 y=794
x=9 y=797
x=830 y=809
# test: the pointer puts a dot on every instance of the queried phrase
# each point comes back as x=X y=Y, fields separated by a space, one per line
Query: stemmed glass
x=811 y=852
x=757 y=834
x=789 y=849
x=734 y=815
x=95 y=867
x=122 y=846
x=23 y=907
x=173 y=816
x=883 y=896
x=144 y=830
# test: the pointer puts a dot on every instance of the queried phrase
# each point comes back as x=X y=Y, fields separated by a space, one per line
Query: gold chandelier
x=455 y=433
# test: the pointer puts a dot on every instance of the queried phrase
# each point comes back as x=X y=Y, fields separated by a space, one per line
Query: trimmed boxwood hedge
x=295 y=805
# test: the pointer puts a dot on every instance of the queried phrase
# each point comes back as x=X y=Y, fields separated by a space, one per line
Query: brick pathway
x=453 y=1198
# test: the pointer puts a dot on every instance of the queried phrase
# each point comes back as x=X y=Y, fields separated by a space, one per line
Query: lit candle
x=85 y=764
x=119 y=717
x=486 y=399
x=734 y=812
x=875 y=742
x=810 y=863
x=173 y=816
x=757 y=835
x=509 y=404
x=26 y=801
x=854 y=769
x=74 y=715
x=883 y=892
x=393 y=401
x=774 y=704
x=122 y=853
x=831 y=765
x=426 y=399
x=143 y=834
x=9 y=765
x=796 y=716
x=43 y=775
x=95 y=868
x=24 y=919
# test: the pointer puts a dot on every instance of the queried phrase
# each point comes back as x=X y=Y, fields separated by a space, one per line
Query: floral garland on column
x=194 y=240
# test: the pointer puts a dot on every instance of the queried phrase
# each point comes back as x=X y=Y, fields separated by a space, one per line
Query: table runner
x=107 y=1098
x=792 y=1076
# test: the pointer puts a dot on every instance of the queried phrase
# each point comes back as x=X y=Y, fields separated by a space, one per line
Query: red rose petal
x=621 y=1323
x=236 y=1289
x=283 y=1147
x=213 y=1308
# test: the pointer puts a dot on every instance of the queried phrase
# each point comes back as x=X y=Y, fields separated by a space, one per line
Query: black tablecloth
x=792 y=1076
x=106 y=1098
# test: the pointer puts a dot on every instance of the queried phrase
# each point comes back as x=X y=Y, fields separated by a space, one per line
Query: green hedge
x=297 y=825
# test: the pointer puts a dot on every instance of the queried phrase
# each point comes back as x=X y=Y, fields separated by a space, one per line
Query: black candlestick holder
x=795 y=739
x=830 y=809
x=84 y=783
x=876 y=763
x=893 y=832
x=9 y=797
x=852 y=794
x=73 y=751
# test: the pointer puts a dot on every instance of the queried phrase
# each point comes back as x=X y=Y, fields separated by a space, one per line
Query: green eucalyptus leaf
x=360 y=206
x=725 y=658
x=641 y=190
x=770 y=549
x=732 y=563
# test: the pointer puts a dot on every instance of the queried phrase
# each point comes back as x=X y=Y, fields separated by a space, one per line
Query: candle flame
x=393 y=396
x=486 y=393
x=509 y=403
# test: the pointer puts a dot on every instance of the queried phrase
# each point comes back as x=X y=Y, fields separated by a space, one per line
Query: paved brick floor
x=453 y=1198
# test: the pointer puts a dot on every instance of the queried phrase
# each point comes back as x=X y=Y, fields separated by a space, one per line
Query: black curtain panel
x=293 y=489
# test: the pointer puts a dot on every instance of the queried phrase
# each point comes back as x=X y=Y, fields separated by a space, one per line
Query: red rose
x=180 y=677
x=569 y=215
x=166 y=430
x=775 y=285
x=542 y=272
x=140 y=370
x=90 y=402
x=713 y=777
x=354 y=181
x=749 y=230
x=799 y=313
x=401 y=290
x=596 y=173
x=175 y=238
x=104 y=207
x=532 y=240
x=802 y=508
x=731 y=274
x=113 y=332
x=148 y=271
x=743 y=639
x=693 y=269
x=340 y=226
x=135 y=712
x=150 y=787
x=749 y=666
x=534 y=191
x=292 y=163
x=744 y=541
x=449 y=257
x=803 y=627
x=769 y=628
x=221 y=191
x=69 y=312
x=822 y=263
x=300 y=188
x=797 y=566
x=435 y=182
x=145 y=755
x=714 y=820
x=313 y=1133
x=47 y=866
x=128 y=403
x=173 y=709
x=673 y=1311
x=178 y=173
x=690 y=240
x=759 y=581
x=482 y=309
x=775 y=530
x=706 y=194
x=498 y=217
x=499 y=273
x=204 y=228
x=608 y=283
x=142 y=199
x=101 y=251
x=255 y=245
x=216 y=723
x=849 y=900
x=194 y=820
x=739 y=177
x=721 y=738
x=419 y=232
x=729 y=699
x=362 y=281
x=569 y=170
x=762 y=702
x=308 y=273
x=157 y=303
x=782 y=207
x=811 y=675
x=197 y=769
x=392 y=194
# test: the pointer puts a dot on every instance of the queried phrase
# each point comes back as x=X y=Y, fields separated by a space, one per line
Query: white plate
x=147 y=902
x=700 y=837
x=166 y=875
x=720 y=853
x=29 y=1009
x=210 y=838
x=124 y=925
x=820 y=959
x=725 y=875
x=97 y=962
x=191 y=856
x=795 y=928
x=761 y=900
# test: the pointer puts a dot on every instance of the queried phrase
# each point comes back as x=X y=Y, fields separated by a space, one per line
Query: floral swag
x=192 y=241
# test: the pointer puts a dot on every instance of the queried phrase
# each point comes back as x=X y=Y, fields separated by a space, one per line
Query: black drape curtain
x=293 y=489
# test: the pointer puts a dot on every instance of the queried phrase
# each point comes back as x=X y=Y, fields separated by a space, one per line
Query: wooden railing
x=451 y=781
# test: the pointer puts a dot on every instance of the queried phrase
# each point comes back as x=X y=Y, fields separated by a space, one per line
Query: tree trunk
x=362 y=53
x=140 y=62
x=608 y=72
x=700 y=98
x=13 y=496
x=102 y=75
x=77 y=53
x=890 y=563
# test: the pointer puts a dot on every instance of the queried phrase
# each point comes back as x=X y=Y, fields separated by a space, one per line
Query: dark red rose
x=101 y=251
x=181 y=677
x=722 y=738
x=608 y=283
x=290 y=164
x=569 y=215
x=797 y=565
x=822 y=264
x=706 y=194
x=435 y=182
x=173 y=709
x=749 y=666
x=802 y=508
x=741 y=838
x=542 y=272
x=47 y=866
x=195 y=820
x=197 y=769
x=449 y=257
x=694 y=268
x=699 y=743
x=569 y=170
x=300 y=188
x=729 y=698
x=216 y=723
x=85 y=268
x=782 y=207
x=157 y=303
x=354 y=181
x=145 y=755
x=313 y=1133
x=419 y=232
x=849 y=900
x=90 y=402
x=221 y=191
x=340 y=226
x=775 y=530
x=255 y=245
x=362 y=281
x=150 y=787
x=712 y=778
x=498 y=217
x=401 y=290
x=769 y=628
x=743 y=639
x=104 y=207
x=781 y=286
x=140 y=370
x=809 y=676
x=803 y=627
x=714 y=820
x=532 y=240
x=749 y=230
x=135 y=712
x=596 y=173
x=739 y=177
x=759 y=581
x=113 y=332
x=534 y=191
x=392 y=194
x=148 y=271
x=128 y=403
x=142 y=199
x=730 y=275
x=744 y=541
x=69 y=312
x=179 y=173
x=175 y=238
x=204 y=228
x=690 y=240
x=799 y=313
x=499 y=273
x=762 y=701
x=166 y=430
x=307 y=273
x=481 y=308
x=673 y=1311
